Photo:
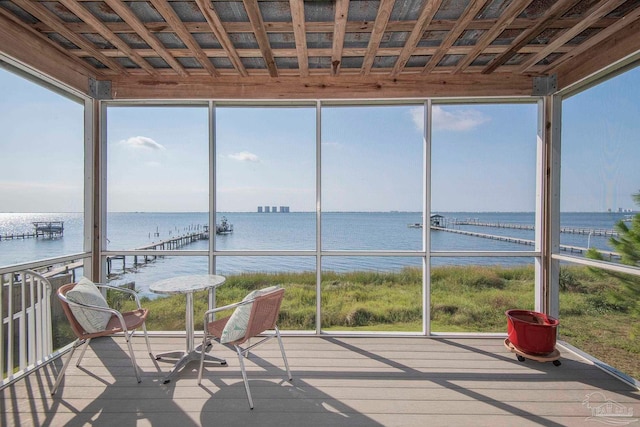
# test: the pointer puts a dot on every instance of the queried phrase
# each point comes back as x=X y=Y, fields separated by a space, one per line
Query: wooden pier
x=138 y=260
x=493 y=224
x=49 y=229
x=565 y=248
x=568 y=230
x=44 y=229
x=164 y=245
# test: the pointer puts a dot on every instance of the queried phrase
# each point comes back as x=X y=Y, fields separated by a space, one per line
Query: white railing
x=26 y=331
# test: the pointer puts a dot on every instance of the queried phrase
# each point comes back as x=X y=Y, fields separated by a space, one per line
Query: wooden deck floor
x=337 y=382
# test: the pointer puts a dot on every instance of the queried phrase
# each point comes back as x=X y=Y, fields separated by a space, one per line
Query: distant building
x=273 y=209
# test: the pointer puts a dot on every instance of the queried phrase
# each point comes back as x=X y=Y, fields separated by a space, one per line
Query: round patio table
x=187 y=285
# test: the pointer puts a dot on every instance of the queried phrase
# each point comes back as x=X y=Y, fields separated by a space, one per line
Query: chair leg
x=127 y=337
x=64 y=367
x=83 y=350
x=146 y=338
x=201 y=368
x=244 y=375
x=284 y=356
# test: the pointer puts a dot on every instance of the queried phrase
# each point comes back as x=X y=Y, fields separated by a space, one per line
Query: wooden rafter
x=467 y=17
x=255 y=17
x=429 y=10
x=553 y=13
x=40 y=12
x=98 y=26
x=377 y=32
x=216 y=26
x=278 y=39
x=323 y=27
x=23 y=27
x=130 y=18
x=511 y=12
x=320 y=52
x=172 y=19
x=300 y=34
x=342 y=11
x=596 y=39
x=598 y=10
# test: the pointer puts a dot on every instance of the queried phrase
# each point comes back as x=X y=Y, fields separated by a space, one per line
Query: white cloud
x=333 y=144
x=244 y=156
x=417 y=115
x=457 y=120
x=142 y=142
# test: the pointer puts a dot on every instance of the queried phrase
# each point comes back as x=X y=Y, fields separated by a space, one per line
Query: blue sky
x=483 y=156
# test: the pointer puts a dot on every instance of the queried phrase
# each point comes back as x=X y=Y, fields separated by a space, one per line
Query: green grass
x=593 y=317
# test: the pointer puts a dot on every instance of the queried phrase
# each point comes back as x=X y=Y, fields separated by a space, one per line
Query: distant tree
x=627 y=244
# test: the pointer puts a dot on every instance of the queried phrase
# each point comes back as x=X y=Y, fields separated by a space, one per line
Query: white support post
x=100 y=196
x=92 y=193
x=213 y=205
x=540 y=270
x=554 y=204
x=426 y=220
x=318 y=218
x=547 y=270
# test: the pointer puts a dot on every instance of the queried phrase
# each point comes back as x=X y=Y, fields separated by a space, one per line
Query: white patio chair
x=255 y=314
x=115 y=322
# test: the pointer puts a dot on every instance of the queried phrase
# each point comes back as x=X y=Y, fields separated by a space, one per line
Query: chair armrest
x=103 y=309
x=92 y=307
x=208 y=313
x=120 y=289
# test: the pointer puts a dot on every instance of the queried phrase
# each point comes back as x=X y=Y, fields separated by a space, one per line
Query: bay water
x=294 y=231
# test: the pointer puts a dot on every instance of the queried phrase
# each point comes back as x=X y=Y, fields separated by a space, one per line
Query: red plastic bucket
x=532 y=332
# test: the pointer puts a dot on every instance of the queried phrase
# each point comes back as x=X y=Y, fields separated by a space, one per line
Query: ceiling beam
x=467 y=17
x=300 y=35
x=43 y=14
x=340 y=20
x=215 y=25
x=512 y=11
x=255 y=17
x=429 y=10
x=377 y=32
x=323 y=27
x=130 y=18
x=552 y=14
x=98 y=26
x=292 y=53
x=611 y=45
x=19 y=42
x=592 y=15
x=353 y=86
x=181 y=31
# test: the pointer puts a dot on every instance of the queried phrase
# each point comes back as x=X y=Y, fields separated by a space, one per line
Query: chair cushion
x=86 y=292
x=236 y=327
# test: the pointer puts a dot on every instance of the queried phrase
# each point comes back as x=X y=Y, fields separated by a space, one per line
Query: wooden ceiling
x=317 y=49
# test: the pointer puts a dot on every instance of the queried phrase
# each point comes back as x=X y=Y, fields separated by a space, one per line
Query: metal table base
x=192 y=353
x=184 y=358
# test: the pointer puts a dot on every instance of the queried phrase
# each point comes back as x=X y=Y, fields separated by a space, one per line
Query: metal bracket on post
x=545 y=85
x=99 y=89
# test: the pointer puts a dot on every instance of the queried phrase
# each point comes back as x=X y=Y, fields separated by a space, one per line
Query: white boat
x=224 y=227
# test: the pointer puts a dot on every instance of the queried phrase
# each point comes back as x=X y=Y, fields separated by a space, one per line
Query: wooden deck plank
x=337 y=381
